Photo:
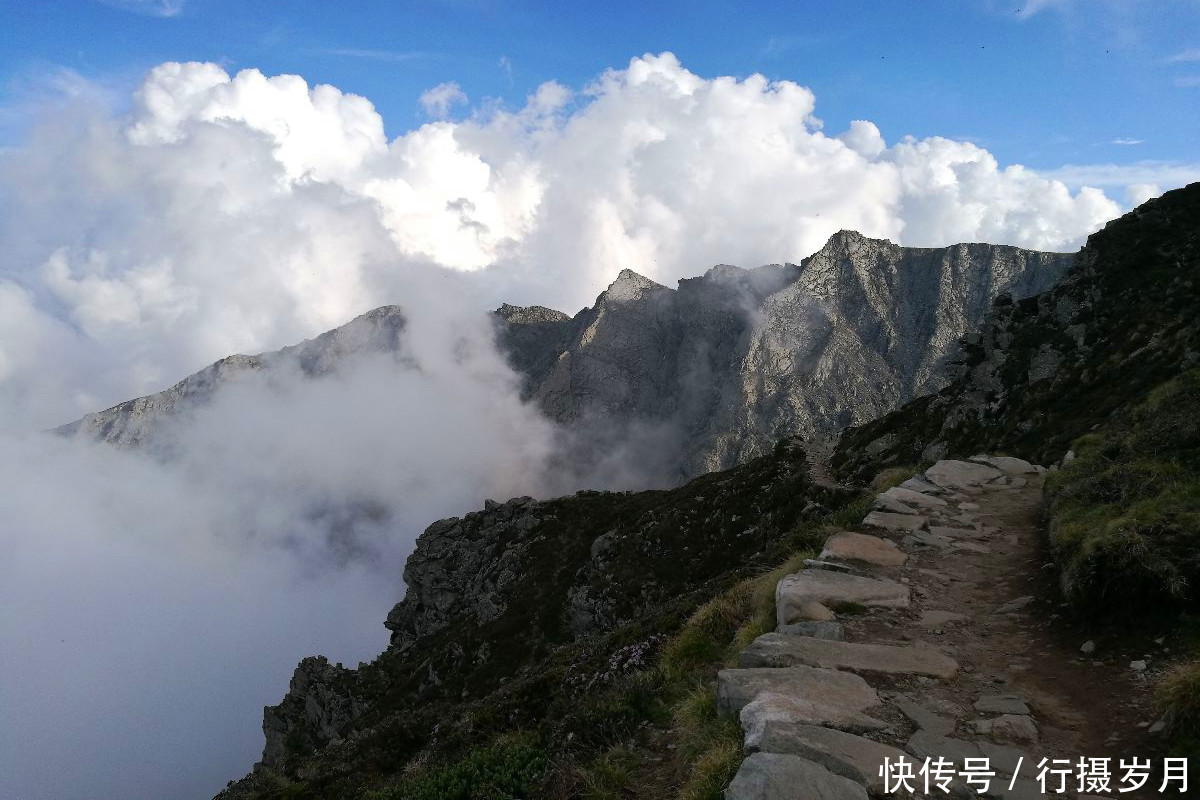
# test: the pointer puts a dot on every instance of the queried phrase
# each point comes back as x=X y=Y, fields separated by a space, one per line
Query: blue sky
x=1042 y=83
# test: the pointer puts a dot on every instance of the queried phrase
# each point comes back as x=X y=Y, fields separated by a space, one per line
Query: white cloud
x=1167 y=174
x=1185 y=56
x=1029 y=8
x=149 y=8
x=1127 y=141
x=375 y=55
x=438 y=101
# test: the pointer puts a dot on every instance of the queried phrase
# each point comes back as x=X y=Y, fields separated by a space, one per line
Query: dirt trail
x=979 y=593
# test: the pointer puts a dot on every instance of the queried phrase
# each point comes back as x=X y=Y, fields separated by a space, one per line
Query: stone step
x=950 y=474
x=845 y=754
x=818 y=629
x=781 y=650
x=737 y=687
x=895 y=522
x=848 y=546
x=917 y=483
x=768 y=708
x=1007 y=464
x=794 y=594
x=771 y=776
x=914 y=499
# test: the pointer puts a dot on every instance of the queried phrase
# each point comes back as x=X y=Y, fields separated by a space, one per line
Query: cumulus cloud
x=438 y=101
x=240 y=213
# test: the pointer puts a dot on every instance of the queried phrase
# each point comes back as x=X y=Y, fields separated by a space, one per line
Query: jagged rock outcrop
x=1042 y=371
x=724 y=366
x=699 y=378
x=321 y=702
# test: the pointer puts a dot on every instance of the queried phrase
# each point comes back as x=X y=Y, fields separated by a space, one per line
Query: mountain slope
x=528 y=615
x=703 y=377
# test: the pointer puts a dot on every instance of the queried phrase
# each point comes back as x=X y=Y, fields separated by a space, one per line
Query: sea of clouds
x=149 y=609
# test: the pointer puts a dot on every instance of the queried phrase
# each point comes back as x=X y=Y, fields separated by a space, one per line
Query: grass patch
x=507 y=770
x=1178 y=695
x=893 y=476
x=1125 y=513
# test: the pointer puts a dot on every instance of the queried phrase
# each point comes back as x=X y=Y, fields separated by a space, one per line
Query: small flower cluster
x=631 y=658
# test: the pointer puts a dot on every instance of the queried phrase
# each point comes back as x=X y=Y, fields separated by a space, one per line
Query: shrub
x=507 y=770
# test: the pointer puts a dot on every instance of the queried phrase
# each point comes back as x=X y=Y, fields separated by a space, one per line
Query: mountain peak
x=629 y=285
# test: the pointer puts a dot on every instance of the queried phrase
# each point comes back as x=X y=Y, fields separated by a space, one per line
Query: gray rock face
x=708 y=375
x=486 y=550
x=321 y=702
x=736 y=359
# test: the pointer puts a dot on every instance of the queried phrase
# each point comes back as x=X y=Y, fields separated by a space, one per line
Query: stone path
x=918 y=636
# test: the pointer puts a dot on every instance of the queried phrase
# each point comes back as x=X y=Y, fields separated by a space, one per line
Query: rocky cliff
x=1044 y=370
x=708 y=375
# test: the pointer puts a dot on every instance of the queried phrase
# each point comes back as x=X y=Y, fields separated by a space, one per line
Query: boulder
x=795 y=593
x=861 y=547
x=770 y=776
x=779 y=650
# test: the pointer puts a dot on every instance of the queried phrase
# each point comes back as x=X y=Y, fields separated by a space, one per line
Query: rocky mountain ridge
x=701 y=377
x=1042 y=371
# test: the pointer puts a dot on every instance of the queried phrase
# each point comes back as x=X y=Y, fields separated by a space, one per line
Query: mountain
x=144 y=421
x=705 y=376
x=720 y=369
